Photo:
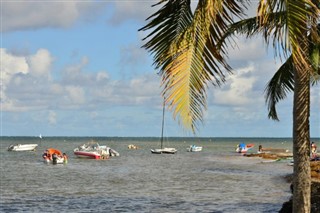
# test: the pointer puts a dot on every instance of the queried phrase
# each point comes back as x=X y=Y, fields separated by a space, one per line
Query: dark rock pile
x=315 y=190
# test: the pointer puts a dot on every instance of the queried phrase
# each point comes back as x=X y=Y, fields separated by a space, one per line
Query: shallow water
x=214 y=180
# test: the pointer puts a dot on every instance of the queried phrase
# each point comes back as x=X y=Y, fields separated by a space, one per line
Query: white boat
x=194 y=148
x=94 y=151
x=59 y=160
x=163 y=150
x=23 y=147
x=243 y=148
x=132 y=146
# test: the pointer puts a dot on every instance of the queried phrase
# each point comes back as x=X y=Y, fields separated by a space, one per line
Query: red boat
x=87 y=154
x=93 y=150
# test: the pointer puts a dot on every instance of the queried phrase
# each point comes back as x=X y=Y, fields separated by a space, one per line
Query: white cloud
x=77 y=88
x=75 y=95
x=17 y=83
x=11 y=64
x=132 y=10
x=238 y=90
x=31 y=15
x=247 y=49
x=102 y=76
x=40 y=63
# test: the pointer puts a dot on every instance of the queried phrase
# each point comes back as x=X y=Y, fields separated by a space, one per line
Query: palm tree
x=189 y=49
x=289 y=78
x=281 y=83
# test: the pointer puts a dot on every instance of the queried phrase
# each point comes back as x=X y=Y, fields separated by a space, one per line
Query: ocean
x=214 y=180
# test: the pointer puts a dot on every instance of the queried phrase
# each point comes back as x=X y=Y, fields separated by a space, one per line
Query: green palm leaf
x=277 y=88
x=168 y=23
x=291 y=37
x=282 y=82
x=184 y=48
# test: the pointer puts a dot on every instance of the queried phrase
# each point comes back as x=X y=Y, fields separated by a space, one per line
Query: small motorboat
x=93 y=150
x=22 y=147
x=243 y=148
x=54 y=156
x=132 y=146
x=194 y=148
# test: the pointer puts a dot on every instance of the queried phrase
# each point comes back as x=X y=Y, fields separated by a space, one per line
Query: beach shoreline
x=315 y=190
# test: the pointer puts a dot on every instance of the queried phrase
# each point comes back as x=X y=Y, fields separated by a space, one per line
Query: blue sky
x=75 y=68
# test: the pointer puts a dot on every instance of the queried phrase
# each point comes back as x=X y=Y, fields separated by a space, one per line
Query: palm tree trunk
x=301 y=142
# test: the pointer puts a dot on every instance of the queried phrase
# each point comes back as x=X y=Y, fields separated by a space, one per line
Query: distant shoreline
x=156 y=137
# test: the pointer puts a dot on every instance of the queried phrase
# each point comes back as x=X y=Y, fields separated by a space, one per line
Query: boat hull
x=195 y=149
x=164 y=151
x=272 y=150
x=84 y=154
x=59 y=161
x=22 y=147
x=242 y=148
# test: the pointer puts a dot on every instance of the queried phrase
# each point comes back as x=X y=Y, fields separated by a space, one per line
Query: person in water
x=46 y=155
x=65 y=158
x=54 y=158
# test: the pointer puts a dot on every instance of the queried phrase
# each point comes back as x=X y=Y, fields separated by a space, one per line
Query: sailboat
x=163 y=150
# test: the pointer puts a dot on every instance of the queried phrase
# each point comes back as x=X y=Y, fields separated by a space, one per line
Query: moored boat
x=243 y=148
x=271 y=150
x=164 y=151
x=54 y=156
x=93 y=150
x=194 y=148
x=22 y=147
x=132 y=146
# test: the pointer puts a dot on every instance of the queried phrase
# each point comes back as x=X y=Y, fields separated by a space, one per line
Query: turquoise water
x=214 y=180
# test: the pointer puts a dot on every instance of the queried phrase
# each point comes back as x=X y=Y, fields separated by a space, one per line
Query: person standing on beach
x=313 y=150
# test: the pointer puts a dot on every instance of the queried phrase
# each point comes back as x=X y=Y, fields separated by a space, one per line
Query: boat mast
x=163 y=109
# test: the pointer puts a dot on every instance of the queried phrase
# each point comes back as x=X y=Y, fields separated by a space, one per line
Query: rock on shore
x=315 y=190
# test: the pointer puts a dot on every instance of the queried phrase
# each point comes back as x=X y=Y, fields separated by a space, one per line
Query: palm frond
x=278 y=87
x=315 y=53
x=196 y=61
x=167 y=24
x=184 y=48
x=292 y=38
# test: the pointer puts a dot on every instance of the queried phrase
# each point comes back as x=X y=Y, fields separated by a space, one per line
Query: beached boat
x=194 y=148
x=22 y=147
x=243 y=148
x=163 y=150
x=132 y=146
x=54 y=156
x=94 y=151
x=271 y=150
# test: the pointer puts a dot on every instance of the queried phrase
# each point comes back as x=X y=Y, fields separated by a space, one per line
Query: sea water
x=214 y=180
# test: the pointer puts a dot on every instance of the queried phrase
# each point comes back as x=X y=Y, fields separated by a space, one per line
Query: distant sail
x=40 y=136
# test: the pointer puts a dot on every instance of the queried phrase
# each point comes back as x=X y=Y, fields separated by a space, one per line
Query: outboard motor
x=54 y=158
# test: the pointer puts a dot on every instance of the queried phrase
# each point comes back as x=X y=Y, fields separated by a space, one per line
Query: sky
x=76 y=68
